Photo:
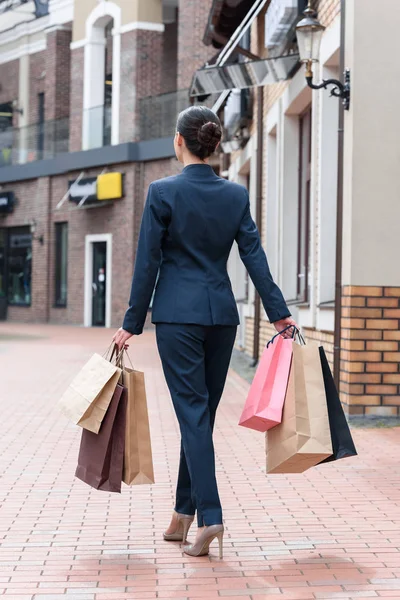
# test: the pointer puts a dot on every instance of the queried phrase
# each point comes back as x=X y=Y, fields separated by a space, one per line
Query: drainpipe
x=259 y=198
x=339 y=215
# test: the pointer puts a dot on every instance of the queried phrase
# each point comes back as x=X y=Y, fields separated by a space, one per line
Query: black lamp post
x=309 y=36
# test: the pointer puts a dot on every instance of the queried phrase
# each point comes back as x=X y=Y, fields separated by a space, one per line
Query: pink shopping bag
x=264 y=404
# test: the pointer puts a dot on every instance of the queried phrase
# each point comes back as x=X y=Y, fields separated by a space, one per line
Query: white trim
x=78 y=44
x=116 y=89
x=89 y=240
x=143 y=25
x=17 y=53
x=52 y=28
x=330 y=41
x=325 y=319
x=24 y=29
x=95 y=37
x=273 y=117
x=103 y=9
x=61 y=11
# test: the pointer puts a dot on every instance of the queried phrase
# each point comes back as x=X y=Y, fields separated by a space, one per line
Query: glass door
x=99 y=284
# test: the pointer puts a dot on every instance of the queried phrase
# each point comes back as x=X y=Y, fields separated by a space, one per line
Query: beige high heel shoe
x=202 y=545
x=180 y=534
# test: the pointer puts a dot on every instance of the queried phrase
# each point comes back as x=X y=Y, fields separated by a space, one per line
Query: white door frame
x=89 y=241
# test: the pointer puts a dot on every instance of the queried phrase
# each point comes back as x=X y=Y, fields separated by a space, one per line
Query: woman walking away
x=189 y=225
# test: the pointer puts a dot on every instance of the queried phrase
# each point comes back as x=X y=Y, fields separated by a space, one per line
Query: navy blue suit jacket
x=189 y=225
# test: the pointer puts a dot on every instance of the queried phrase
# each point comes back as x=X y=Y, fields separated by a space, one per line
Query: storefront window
x=19 y=261
x=61 y=264
x=3 y=290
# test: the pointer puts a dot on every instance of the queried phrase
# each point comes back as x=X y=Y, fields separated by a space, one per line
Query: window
x=3 y=290
x=61 y=264
x=19 y=272
x=40 y=139
x=6 y=133
x=303 y=253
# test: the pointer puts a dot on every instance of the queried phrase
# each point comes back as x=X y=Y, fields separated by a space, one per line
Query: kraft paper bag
x=138 y=461
x=303 y=439
x=88 y=396
x=264 y=404
x=101 y=456
x=342 y=442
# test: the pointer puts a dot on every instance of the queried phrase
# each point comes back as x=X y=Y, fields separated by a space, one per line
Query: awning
x=253 y=73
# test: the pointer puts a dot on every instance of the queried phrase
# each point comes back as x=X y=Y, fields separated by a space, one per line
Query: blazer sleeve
x=155 y=220
x=255 y=261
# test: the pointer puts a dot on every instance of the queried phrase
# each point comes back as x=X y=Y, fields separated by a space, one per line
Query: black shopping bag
x=342 y=442
x=101 y=455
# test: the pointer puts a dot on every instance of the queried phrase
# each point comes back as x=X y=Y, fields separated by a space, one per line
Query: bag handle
x=295 y=335
x=280 y=332
x=118 y=355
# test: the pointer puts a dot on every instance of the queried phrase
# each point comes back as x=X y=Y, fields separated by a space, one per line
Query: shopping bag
x=101 y=456
x=303 y=438
x=264 y=404
x=88 y=396
x=138 y=461
x=342 y=442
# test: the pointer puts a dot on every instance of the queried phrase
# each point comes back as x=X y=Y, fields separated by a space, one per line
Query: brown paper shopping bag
x=303 y=438
x=138 y=461
x=88 y=396
x=101 y=456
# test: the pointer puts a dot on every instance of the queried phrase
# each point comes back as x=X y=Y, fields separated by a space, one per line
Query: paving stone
x=332 y=532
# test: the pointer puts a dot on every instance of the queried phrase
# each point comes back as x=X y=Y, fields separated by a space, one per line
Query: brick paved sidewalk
x=333 y=532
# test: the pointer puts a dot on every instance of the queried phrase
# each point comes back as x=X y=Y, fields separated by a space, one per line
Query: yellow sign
x=109 y=186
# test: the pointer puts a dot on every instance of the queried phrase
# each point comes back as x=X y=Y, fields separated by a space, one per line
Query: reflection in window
x=19 y=265
x=3 y=290
x=61 y=264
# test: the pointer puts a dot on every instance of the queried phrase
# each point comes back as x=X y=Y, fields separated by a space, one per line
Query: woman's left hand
x=121 y=337
x=283 y=323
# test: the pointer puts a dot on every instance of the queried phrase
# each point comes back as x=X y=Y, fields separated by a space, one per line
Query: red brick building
x=85 y=88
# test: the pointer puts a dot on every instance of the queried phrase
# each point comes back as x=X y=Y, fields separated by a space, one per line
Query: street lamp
x=33 y=227
x=309 y=36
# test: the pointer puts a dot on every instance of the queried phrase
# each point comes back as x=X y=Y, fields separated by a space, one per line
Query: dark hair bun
x=209 y=135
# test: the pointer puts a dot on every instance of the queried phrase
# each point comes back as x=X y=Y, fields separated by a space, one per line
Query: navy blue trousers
x=195 y=361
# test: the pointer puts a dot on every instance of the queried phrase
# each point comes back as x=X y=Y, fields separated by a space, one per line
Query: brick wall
x=58 y=74
x=169 y=58
x=327 y=11
x=76 y=99
x=192 y=53
x=9 y=85
x=32 y=203
x=370 y=374
x=141 y=66
x=37 y=84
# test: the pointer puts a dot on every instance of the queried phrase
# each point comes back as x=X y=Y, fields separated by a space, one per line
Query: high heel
x=183 y=526
x=202 y=545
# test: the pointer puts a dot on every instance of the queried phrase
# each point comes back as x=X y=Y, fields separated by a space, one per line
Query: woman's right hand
x=121 y=337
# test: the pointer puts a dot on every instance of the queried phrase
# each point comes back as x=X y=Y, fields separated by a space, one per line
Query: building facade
x=288 y=155
x=89 y=94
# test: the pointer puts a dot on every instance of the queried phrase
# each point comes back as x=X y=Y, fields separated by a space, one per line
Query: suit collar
x=199 y=170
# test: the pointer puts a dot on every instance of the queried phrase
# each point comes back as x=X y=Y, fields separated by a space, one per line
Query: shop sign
x=93 y=190
x=6 y=202
x=20 y=240
x=84 y=188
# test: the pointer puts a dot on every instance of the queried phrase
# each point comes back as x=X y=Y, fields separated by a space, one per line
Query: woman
x=189 y=225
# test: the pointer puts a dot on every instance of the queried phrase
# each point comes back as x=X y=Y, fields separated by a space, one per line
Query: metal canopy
x=244 y=75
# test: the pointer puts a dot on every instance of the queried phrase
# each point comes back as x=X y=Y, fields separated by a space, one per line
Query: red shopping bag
x=264 y=404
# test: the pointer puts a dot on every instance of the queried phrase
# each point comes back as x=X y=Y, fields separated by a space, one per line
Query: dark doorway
x=99 y=280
